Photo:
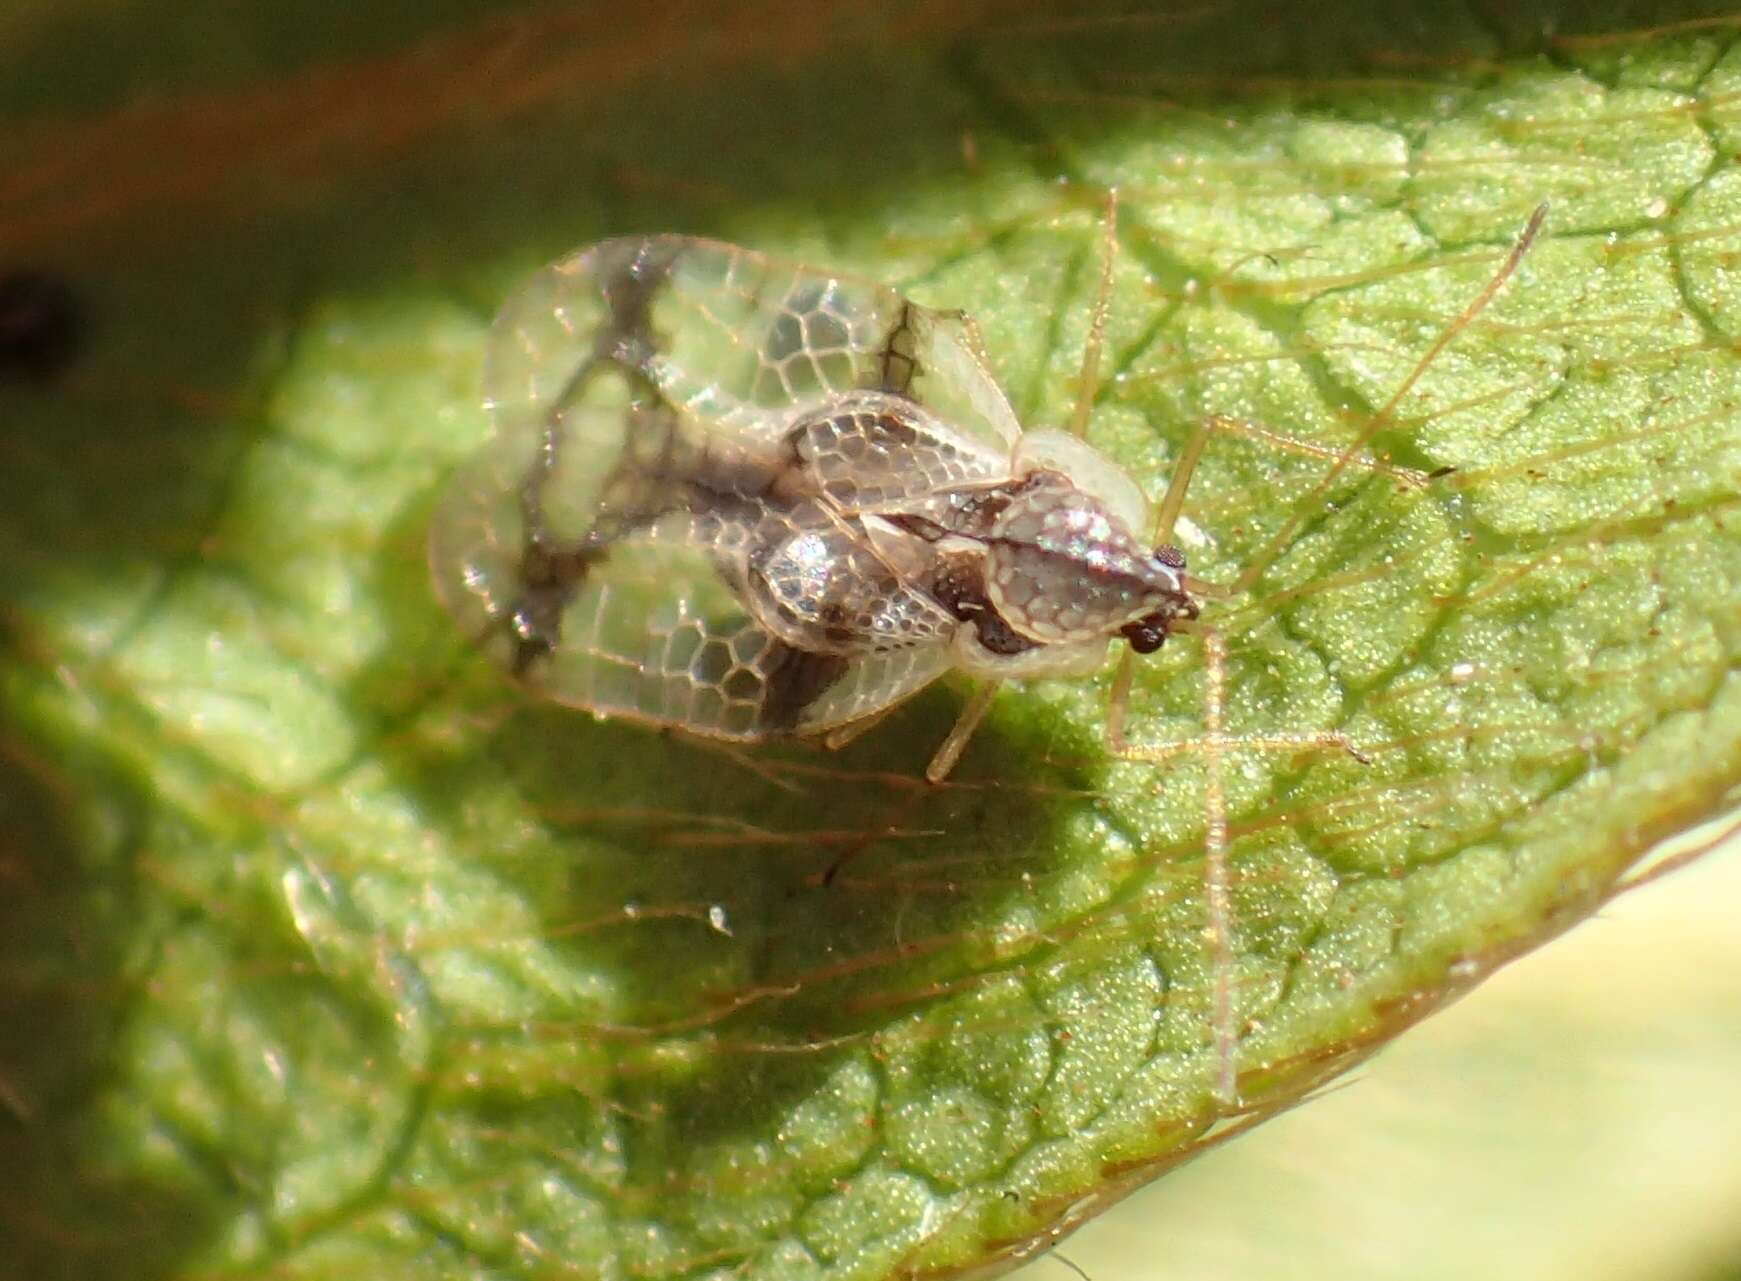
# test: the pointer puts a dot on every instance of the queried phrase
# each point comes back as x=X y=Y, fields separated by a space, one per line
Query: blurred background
x=1577 y=1116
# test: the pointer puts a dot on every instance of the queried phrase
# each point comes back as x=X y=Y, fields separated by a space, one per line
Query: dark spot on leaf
x=39 y=325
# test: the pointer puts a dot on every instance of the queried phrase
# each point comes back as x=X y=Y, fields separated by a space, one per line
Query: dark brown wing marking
x=646 y=480
x=795 y=679
x=898 y=361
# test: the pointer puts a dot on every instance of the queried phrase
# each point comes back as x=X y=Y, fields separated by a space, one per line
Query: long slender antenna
x=1383 y=417
x=1088 y=381
x=1184 y=467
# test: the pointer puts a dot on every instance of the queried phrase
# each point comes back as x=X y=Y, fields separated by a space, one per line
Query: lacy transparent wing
x=874 y=451
x=476 y=544
x=646 y=395
x=734 y=338
x=869 y=685
x=655 y=632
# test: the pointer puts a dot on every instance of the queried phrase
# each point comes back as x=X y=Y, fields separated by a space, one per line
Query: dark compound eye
x=1146 y=634
x=1170 y=556
x=39 y=325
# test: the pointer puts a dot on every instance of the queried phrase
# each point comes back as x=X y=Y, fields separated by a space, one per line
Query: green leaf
x=330 y=955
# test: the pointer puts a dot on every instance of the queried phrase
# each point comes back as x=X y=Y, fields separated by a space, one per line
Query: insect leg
x=841 y=735
x=1167 y=511
x=1184 y=467
x=1088 y=380
x=950 y=749
x=1387 y=412
x=1213 y=744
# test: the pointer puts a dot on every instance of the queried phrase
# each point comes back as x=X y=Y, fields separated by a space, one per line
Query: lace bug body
x=745 y=498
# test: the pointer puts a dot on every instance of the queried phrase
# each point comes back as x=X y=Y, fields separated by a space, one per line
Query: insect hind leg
x=949 y=751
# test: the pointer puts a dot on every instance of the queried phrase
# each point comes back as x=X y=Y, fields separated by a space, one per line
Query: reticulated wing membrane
x=873 y=683
x=746 y=346
x=820 y=582
x=872 y=450
x=655 y=632
x=736 y=334
x=641 y=392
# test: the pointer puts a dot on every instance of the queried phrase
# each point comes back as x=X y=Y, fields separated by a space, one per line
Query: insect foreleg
x=1213 y=745
x=950 y=749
